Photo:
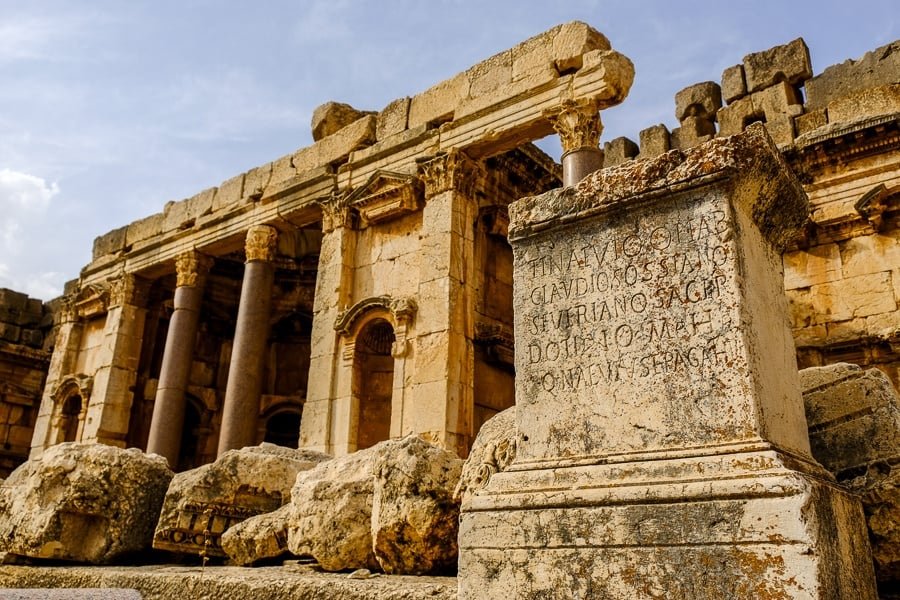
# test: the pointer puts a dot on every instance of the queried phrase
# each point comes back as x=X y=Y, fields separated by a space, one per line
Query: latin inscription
x=642 y=299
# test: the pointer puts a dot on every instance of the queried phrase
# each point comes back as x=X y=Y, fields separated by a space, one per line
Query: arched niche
x=375 y=346
x=70 y=403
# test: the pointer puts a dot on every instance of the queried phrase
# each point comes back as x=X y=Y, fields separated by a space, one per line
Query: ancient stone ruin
x=634 y=315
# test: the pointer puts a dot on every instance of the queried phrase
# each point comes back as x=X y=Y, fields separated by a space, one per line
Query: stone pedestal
x=662 y=447
x=242 y=392
x=168 y=409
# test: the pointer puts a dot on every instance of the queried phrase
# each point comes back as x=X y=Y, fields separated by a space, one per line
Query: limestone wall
x=840 y=132
x=24 y=324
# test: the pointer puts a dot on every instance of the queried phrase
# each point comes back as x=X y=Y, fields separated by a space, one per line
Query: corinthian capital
x=191 y=267
x=577 y=123
x=452 y=170
x=261 y=243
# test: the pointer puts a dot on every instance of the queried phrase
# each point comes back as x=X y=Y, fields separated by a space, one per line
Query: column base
x=749 y=524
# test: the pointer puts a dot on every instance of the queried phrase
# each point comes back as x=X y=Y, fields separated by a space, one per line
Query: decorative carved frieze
x=92 y=300
x=577 y=123
x=191 y=267
x=452 y=170
x=386 y=195
x=261 y=243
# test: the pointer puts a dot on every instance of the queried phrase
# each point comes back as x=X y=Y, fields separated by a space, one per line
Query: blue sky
x=109 y=109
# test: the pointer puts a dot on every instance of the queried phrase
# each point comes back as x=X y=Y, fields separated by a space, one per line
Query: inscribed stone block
x=662 y=442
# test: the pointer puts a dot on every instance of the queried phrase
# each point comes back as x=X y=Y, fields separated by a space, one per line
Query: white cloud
x=24 y=202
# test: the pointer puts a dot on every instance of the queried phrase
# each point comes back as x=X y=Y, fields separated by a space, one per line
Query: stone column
x=244 y=385
x=662 y=447
x=168 y=409
x=442 y=395
x=109 y=408
x=62 y=363
x=579 y=128
x=329 y=389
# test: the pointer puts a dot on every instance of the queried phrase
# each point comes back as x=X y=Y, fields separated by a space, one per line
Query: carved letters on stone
x=578 y=125
x=191 y=267
x=261 y=243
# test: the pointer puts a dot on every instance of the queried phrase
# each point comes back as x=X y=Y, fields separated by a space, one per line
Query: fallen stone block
x=331 y=117
x=854 y=430
x=415 y=518
x=258 y=538
x=203 y=503
x=81 y=502
x=335 y=520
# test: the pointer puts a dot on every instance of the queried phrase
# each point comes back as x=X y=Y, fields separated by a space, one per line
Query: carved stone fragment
x=388 y=507
x=201 y=504
x=854 y=430
x=79 y=502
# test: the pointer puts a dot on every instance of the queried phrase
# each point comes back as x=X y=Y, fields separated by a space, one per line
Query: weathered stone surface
x=257 y=538
x=786 y=63
x=337 y=146
x=853 y=416
x=662 y=444
x=288 y=582
x=854 y=424
x=870 y=102
x=619 y=150
x=492 y=452
x=654 y=141
x=110 y=242
x=331 y=511
x=82 y=502
x=331 y=117
x=203 y=503
x=392 y=119
x=414 y=515
x=810 y=121
x=734 y=86
x=365 y=510
x=876 y=68
x=699 y=100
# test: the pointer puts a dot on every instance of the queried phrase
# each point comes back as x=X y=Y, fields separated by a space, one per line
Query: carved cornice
x=191 y=268
x=261 y=243
x=452 y=170
x=386 y=195
x=577 y=123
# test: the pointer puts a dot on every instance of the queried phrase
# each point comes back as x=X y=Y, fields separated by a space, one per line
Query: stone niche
x=662 y=448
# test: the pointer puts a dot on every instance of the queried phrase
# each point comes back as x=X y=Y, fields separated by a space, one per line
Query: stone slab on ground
x=69 y=594
x=163 y=582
